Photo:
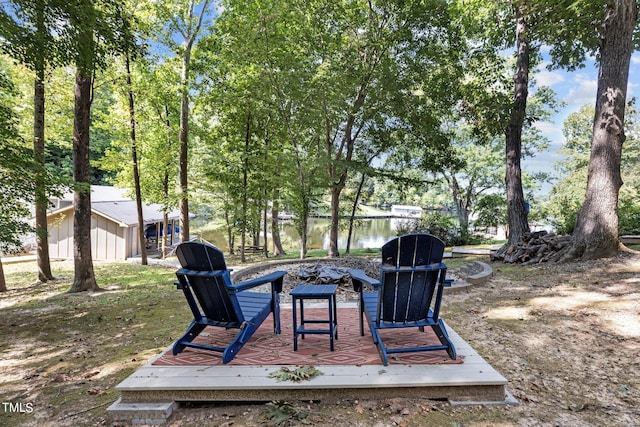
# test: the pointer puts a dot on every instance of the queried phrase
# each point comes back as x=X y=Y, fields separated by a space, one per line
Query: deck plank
x=473 y=380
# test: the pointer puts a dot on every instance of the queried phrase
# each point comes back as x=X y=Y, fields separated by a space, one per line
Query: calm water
x=367 y=233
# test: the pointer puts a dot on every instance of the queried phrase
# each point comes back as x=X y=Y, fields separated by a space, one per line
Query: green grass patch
x=75 y=348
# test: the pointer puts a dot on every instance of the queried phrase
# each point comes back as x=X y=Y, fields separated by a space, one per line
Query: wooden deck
x=150 y=394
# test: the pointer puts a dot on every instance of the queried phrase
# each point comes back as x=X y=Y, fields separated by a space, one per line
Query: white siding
x=61 y=235
x=107 y=239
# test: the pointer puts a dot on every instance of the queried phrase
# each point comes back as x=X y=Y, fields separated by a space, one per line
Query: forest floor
x=566 y=336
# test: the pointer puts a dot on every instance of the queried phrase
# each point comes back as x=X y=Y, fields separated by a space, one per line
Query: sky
x=575 y=89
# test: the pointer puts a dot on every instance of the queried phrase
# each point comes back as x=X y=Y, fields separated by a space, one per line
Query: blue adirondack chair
x=408 y=293
x=215 y=301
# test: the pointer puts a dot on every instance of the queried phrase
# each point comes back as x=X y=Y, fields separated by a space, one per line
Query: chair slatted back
x=407 y=293
x=211 y=291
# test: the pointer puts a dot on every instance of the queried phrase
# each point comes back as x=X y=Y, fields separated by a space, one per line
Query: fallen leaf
x=576 y=407
x=61 y=378
x=91 y=374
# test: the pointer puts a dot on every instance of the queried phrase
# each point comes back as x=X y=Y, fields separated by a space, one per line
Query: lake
x=367 y=233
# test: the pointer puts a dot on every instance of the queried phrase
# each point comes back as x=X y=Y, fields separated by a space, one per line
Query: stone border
x=257 y=267
x=478 y=273
x=474 y=273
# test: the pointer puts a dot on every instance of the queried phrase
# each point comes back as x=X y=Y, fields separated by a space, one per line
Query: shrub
x=441 y=225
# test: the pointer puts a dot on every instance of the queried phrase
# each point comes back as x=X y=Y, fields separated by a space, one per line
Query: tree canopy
x=247 y=109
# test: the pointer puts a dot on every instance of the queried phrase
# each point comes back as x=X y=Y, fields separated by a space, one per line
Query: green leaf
x=300 y=373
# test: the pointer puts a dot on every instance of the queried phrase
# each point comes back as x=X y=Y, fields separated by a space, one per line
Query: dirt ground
x=567 y=337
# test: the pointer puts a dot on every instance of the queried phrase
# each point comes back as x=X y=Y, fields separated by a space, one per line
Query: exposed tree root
x=534 y=248
x=542 y=246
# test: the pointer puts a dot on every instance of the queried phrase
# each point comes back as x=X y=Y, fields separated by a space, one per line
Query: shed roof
x=125 y=212
x=102 y=193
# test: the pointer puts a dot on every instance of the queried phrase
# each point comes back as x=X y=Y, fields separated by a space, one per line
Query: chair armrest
x=402 y=269
x=183 y=283
x=358 y=277
x=208 y=273
x=275 y=278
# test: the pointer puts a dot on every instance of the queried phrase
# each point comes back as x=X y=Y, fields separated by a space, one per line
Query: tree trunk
x=462 y=201
x=354 y=208
x=265 y=221
x=338 y=175
x=84 y=278
x=162 y=237
x=306 y=185
x=184 y=148
x=190 y=32
x=596 y=231
x=42 y=236
x=165 y=180
x=3 y=282
x=230 y=237
x=518 y=224
x=335 y=222
x=134 y=159
x=275 y=228
x=245 y=182
x=304 y=228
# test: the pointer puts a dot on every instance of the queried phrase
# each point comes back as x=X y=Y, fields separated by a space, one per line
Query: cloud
x=583 y=90
x=547 y=128
x=635 y=59
x=548 y=78
x=553 y=132
x=632 y=89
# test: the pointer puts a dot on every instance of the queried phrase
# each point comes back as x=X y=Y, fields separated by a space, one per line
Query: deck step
x=149 y=413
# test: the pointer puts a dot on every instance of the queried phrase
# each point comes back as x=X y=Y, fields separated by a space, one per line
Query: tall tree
x=596 y=232
x=606 y=30
x=491 y=22
x=29 y=28
x=16 y=186
x=85 y=23
x=568 y=193
x=178 y=25
x=270 y=72
x=518 y=222
x=384 y=52
x=135 y=163
x=42 y=235
x=96 y=28
x=157 y=108
x=190 y=30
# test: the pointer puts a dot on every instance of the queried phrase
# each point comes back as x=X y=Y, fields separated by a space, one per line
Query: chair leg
x=275 y=310
x=361 y=308
x=192 y=332
x=374 y=336
x=382 y=350
x=238 y=342
x=441 y=333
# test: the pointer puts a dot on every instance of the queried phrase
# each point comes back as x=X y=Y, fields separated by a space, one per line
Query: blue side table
x=303 y=292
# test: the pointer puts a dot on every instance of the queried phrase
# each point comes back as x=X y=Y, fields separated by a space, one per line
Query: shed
x=114 y=229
